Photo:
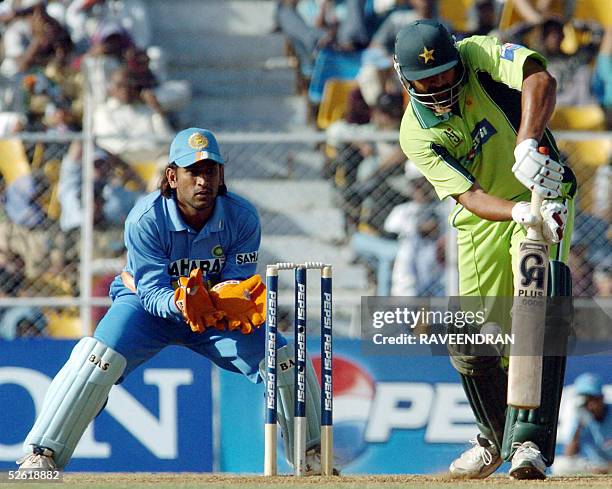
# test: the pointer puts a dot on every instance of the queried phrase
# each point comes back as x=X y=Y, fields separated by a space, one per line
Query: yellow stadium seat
x=148 y=171
x=598 y=10
x=584 y=156
x=63 y=324
x=13 y=160
x=456 y=12
x=578 y=118
x=510 y=15
x=333 y=103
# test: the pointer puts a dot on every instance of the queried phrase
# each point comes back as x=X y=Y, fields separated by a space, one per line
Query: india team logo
x=197 y=141
x=354 y=390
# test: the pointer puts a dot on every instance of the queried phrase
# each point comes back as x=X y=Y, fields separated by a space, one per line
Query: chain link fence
x=351 y=201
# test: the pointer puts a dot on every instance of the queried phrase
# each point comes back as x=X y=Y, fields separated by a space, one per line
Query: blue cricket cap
x=192 y=145
x=588 y=385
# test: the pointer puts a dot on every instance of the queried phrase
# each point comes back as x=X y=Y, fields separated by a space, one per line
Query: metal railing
x=72 y=271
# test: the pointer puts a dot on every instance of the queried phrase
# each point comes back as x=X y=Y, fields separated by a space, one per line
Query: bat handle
x=535 y=232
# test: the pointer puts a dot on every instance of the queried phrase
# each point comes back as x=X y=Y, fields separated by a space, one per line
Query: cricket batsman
x=192 y=251
x=477 y=116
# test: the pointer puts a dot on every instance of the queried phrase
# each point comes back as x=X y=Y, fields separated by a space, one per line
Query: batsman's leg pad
x=286 y=401
x=540 y=425
x=76 y=395
x=485 y=383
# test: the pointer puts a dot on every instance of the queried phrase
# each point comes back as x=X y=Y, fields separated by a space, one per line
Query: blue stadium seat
x=332 y=64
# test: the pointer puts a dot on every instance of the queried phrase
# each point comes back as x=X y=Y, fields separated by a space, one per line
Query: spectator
x=572 y=72
x=486 y=19
x=376 y=75
x=404 y=12
x=602 y=278
x=582 y=271
x=341 y=25
x=589 y=449
x=602 y=80
x=417 y=270
x=535 y=11
x=87 y=18
x=112 y=200
x=31 y=36
x=21 y=322
x=128 y=121
x=369 y=169
x=602 y=194
x=16 y=36
x=26 y=230
x=47 y=37
x=112 y=48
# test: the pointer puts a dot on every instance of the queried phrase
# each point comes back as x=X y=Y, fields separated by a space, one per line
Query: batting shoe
x=313 y=463
x=527 y=462
x=39 y=459
x=478 y=462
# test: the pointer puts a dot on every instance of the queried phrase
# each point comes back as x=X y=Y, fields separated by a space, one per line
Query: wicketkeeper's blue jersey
x=161 y=247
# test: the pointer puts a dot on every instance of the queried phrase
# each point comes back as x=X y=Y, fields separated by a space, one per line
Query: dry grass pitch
x=193 y=480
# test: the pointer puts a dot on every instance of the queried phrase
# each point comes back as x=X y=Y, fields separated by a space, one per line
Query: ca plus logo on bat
x=532 y=270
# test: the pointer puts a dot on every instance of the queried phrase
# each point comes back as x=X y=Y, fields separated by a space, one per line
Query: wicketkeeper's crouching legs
x=76 y=395
x=286 y=402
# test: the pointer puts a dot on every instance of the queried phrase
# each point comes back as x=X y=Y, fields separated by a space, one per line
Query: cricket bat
x=529 y=315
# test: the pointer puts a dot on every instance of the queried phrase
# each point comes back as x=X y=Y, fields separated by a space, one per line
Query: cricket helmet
x=423 y=49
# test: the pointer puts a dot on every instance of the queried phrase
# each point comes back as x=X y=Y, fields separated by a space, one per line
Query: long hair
x=167 y=191
x=164 y=185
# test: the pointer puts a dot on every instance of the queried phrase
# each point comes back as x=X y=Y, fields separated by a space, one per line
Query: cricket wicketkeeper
x=192 y=250
x=477 y=115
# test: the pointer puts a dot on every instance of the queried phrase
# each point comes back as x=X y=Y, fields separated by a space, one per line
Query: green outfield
x=191 y=480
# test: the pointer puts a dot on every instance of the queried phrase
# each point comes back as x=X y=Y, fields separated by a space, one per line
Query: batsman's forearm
x=486 y=206
x=537 y=105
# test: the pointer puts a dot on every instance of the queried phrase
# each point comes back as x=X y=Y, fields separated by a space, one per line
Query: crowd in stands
x=53 y=53
x=381 y=204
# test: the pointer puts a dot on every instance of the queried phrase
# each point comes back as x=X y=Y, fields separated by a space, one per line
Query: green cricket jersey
x=453 y=151
x=476 y=144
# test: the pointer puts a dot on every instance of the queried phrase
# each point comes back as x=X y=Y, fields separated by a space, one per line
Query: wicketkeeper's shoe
x=313 y=463
x=478 y=462
x=40 y=459
x=527 y=462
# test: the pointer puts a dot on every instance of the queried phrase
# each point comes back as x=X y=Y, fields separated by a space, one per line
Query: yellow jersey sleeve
x=504 y=62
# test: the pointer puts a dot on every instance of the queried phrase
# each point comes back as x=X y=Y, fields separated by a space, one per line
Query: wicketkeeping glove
x=537 y=171
x=193 y=300
x=554 y=215
x=244 y=303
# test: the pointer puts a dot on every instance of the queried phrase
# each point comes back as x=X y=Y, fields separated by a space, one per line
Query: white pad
x=286 y=400
x=76 y=395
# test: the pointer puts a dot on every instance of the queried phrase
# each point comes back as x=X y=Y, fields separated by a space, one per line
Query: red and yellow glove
x=244 y=303
x=193 y=300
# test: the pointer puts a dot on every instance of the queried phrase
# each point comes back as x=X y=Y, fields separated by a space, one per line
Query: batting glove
x=554 y=216
x=521 y=214
x=537 y=171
